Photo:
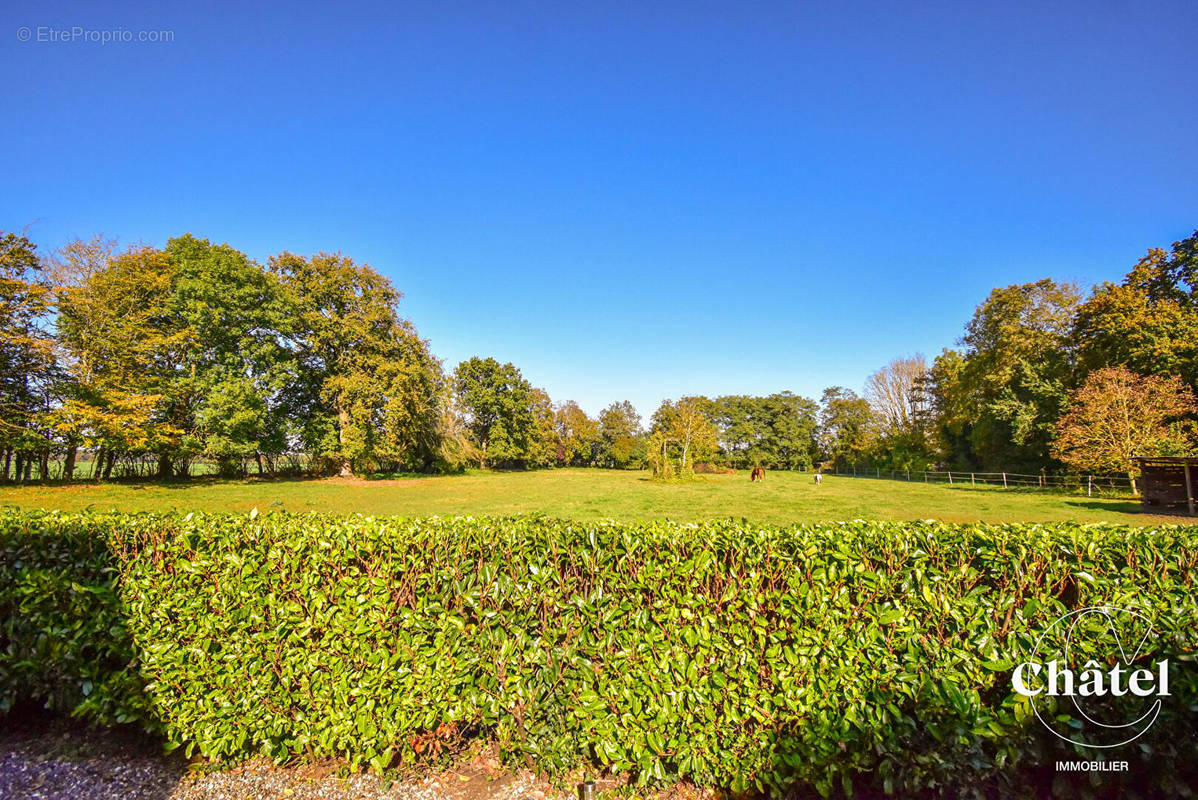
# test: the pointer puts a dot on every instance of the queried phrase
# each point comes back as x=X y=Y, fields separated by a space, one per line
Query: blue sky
x=631 y=200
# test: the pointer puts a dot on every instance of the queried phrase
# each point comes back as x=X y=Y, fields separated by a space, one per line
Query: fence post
x=1189 y=489
x=908 y=473
x=1004 y=480
x=879 y=472
x=1089 y=486
x=925 y=476
x=972 y=482
x=950 y=477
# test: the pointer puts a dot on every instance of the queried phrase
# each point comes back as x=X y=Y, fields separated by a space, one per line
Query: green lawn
x=592 y=494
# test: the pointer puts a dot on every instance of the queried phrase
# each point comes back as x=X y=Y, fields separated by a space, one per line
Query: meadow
x=589 y=494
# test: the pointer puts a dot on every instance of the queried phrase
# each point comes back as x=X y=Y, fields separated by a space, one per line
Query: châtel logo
x=1087 y=681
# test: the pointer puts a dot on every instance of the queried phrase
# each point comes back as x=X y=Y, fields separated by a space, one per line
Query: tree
x=1148 y=323
x=684 y=431
x=542 y=448
x=846 y=427
x=233 y=366
x=27 y=363
x=455 y=446
x=368 y=391
x=577 y=435
x=892 y=392
x=122 y=346
x=1017 y=371
x=897 y=394
x=1117 y=414
x=499 y=407
x=621 y=437
x=658 y=455
x=694 y=433
x=776 y=431
x=948 y=411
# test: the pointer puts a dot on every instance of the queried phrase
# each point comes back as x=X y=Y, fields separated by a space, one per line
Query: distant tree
x=621 y=439
x=499 y=407
x=949 y=413
x=455 y=445
x=543 y=448
x=1017 y=372
x=898 y=396
x=847 y=429
x=657 y=454
x=776 y=431
x=577 y=435
x=892 y=392
x=27 y=363
x=684 y=431
x=694 y=433
x=1117 y=414
x=368 y=391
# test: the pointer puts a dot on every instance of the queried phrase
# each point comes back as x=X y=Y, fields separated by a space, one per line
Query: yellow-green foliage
x=874 y=654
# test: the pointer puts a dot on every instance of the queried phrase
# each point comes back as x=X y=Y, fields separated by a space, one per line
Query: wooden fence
x=1090 y=484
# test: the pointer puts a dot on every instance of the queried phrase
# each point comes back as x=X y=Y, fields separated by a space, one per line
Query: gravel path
x=57 y=759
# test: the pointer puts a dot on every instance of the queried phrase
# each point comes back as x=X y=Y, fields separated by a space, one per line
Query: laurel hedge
x=861 y=656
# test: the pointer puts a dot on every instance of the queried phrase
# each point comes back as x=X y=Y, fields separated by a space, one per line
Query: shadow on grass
x=1122 y=506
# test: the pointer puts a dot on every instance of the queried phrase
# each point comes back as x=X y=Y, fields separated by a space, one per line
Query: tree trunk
x=347 y=469
x=258 y=456
x=164 y=467
x=1131 y=476
x=28 y=468
x=98 y=462
x=7 y=463
x=68 y=465
x=43 y=466
x=19 y=469
x=108 y=464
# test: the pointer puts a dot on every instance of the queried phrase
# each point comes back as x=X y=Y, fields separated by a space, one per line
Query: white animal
x=818 y=479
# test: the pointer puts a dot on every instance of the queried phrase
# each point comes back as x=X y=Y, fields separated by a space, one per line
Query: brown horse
x=758 y=474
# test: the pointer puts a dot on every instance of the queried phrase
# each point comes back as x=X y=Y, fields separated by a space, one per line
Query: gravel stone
x=51 y=758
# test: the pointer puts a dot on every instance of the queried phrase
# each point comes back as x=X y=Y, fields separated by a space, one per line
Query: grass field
x=586 y=494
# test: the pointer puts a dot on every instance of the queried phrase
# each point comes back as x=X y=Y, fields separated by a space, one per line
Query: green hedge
x=864 y=654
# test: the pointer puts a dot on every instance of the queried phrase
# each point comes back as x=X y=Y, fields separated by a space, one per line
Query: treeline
x=195 y=351
x=1048 y=379
x=153 y=357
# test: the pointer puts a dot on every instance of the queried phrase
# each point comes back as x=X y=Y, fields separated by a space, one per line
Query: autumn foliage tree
x=1149 y=322
x=27 y=364
x=577 y=435
x=1117 y=414
x=121 y=347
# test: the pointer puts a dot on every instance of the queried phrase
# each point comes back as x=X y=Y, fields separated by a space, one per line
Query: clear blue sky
x=631 y=200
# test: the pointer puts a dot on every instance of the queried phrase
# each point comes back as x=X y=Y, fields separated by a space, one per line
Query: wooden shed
x=1168 y=482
